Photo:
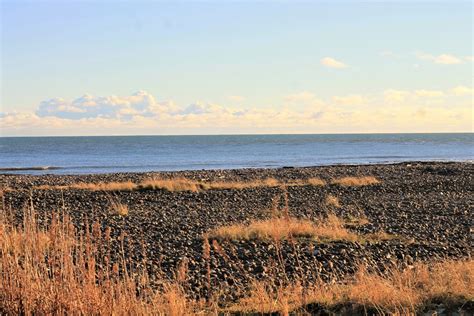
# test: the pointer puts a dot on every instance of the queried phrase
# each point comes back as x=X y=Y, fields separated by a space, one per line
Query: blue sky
x=235 y=57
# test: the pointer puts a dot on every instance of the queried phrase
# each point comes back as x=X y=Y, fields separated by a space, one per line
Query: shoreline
x=10 y=171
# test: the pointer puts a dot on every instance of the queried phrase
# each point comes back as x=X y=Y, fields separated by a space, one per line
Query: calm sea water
x=75 y=155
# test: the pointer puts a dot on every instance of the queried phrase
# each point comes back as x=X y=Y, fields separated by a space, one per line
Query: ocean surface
x=79 y=155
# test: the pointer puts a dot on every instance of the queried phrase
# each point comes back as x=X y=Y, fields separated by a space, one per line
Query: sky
x=240 y=67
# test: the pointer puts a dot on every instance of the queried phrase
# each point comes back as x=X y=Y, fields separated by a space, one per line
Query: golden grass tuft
x=276 y=228
x=280 y=228
x=333 y=229
x=332 y=200
x=329 y=229
x=119 y=208
x=172 y=185
x=355 y=181
x=401 y=292
x=316 y=182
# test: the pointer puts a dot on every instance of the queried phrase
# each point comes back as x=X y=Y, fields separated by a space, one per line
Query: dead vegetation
x=184 y=184
x=316 y=182
x=401 y=292
x=273 y=229
x=101 y=186
x=355 y=181
x=332 y=200
x=328 y=229
x=117 y=207
x=54 y=270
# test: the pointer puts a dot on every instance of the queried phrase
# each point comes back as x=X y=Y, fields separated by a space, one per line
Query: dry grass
x=172 y=185
x=355 y=181
x=276 y=228
x=329 y=229
x=279 y=228
x=357 y=221
x=117 y=207
x=332 y=200
x=316 y=182
x=399 y=291
x=55 y=271
x=183 y=184
x=100 y=186
x=381 y=235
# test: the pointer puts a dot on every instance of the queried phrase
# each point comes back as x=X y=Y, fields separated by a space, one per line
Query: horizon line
x=237 y=134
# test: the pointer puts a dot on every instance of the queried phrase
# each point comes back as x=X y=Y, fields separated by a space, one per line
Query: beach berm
x=220 y=238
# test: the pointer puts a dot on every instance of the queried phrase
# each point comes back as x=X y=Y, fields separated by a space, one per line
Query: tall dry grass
x=400 y=292
x=59 y=270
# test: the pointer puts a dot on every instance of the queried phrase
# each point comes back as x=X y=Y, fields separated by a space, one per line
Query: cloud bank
x=301 y=112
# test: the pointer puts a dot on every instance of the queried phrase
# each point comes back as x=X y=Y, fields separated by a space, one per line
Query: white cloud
x=303 y=96
x=445 y=59
x=88 y=106
x=429 y=93
x=462 y=90
x=305 y=100
x=393 y=96
x=202 y=108
x=332 y=63
x=353 y=99
x=389 y=111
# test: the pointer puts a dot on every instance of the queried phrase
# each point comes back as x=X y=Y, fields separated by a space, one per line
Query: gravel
x=427 y=204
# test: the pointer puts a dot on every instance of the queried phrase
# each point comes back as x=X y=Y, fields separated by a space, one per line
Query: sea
x=106 y=154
